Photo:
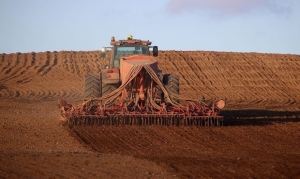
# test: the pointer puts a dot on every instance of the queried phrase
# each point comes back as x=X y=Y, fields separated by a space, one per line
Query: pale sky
x=264 y=26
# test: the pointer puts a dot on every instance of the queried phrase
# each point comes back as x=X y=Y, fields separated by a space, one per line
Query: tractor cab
x=129 y=47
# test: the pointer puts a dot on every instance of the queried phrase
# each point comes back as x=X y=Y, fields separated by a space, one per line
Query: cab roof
x=132 y=41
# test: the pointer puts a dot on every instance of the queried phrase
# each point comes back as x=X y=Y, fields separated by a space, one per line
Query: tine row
x=146 y=120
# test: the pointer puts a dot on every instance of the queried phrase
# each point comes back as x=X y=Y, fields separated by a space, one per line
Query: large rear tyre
x=106 y=89
x=91 y=87
x=171 y=82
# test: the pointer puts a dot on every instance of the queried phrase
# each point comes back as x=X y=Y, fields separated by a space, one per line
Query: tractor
x=132 y=90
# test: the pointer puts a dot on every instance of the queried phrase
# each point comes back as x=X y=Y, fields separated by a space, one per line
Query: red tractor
x=131 y=90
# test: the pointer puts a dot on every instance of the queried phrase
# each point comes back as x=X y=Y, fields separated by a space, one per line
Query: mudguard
x=110 y=76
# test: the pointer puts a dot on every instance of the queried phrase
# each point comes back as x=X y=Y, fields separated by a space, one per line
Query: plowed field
x=259 y=139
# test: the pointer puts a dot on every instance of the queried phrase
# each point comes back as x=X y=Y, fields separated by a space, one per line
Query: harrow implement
x=117 y=109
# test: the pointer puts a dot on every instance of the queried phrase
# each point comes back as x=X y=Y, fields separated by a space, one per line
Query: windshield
x=125 y=51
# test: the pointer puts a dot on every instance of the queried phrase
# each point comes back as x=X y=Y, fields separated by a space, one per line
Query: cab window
x=125 y=51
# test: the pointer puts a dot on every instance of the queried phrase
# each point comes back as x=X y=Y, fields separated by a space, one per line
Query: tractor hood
x=127 y=62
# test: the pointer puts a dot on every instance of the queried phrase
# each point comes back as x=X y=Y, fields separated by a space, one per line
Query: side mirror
x=103 y=51
x=155 y=51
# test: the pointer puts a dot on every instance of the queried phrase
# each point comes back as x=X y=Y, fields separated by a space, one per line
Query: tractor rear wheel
x=91 y=87
x=106 y=88
x=171 y=82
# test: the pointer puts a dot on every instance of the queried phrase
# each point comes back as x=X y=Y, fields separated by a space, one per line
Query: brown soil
x=259 y=139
